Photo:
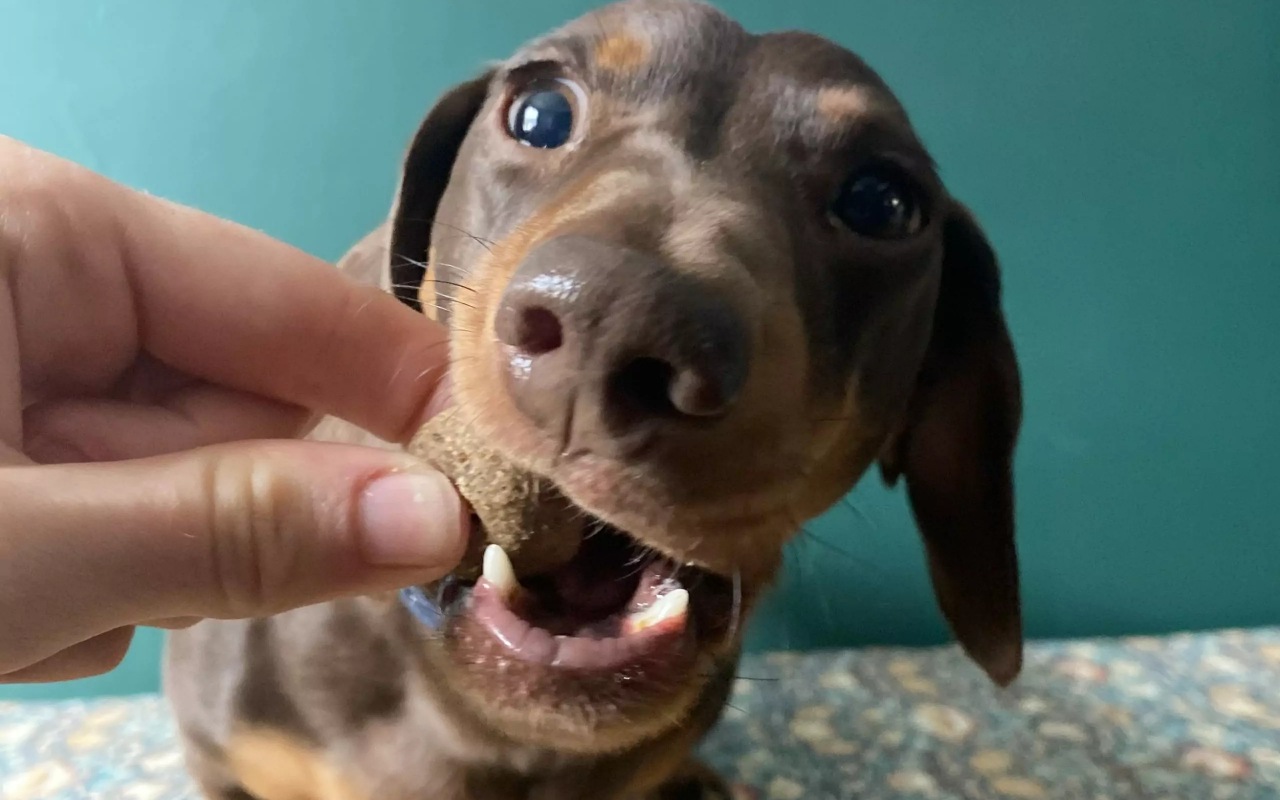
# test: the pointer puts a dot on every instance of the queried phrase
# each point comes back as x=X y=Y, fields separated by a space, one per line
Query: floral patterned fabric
x=1192 y=717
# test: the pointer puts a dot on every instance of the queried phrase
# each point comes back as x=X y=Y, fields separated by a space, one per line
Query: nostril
x=643 y=385
x=651 y=387
x=537 y=331
x=540 y=331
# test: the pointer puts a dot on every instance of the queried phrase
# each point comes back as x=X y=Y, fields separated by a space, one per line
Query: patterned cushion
x=1189 y=717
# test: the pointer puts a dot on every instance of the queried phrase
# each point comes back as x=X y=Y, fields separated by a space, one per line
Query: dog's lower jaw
x=551 y=708
x=578 y=734
x=645 y=759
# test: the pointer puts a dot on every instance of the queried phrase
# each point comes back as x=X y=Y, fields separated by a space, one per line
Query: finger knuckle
x=254 y=514
x=37 y=220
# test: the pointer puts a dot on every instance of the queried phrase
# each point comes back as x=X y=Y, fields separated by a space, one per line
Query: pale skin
x=157 y=368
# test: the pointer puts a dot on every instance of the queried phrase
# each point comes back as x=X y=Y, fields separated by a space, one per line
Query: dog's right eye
x=879 y=202
x=543 y=115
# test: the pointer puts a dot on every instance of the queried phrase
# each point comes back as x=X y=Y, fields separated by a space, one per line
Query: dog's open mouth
x=617 y=603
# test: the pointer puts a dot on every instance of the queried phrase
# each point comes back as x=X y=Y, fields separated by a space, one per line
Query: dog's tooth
x=498 y=570
x=671 y=606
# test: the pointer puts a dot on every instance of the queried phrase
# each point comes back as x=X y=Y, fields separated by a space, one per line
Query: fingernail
x=411 y=519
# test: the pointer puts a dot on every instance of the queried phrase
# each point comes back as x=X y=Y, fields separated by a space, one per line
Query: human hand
x=154 y=363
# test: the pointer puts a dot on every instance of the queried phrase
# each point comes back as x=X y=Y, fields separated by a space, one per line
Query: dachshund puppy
x=699 y=281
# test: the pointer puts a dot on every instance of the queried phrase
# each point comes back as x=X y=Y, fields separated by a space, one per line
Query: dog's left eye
x=879 y=202
x=544 y=114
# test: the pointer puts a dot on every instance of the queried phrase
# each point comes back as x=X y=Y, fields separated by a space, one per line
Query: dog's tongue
x=597 y=612
x=598 y=581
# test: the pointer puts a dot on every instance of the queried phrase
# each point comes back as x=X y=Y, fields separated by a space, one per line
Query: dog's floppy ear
x=423 y=179
x=956 y=452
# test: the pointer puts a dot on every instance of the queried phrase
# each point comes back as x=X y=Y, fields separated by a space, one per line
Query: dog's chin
x=612 y=648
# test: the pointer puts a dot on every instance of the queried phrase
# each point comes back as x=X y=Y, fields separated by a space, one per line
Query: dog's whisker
x=454 y=284
x=594 y=527
x=452 y=229
x=824 y=600
x=444 y=307
x=480 y=240
x=441 y=281
x=848 y=503
x=639 y=553
x=736 y=616
x=459 y=267
x=442 y=343
x=803 y=566
x=418 y=283
x=808 y=536
x=462 y=303
x=792 y=555
x=400 y=261
x=475 y=415
x=405 y=261
x=430 y=370
x=640 y=561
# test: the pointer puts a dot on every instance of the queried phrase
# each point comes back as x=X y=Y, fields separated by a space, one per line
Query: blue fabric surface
x=1192 y=717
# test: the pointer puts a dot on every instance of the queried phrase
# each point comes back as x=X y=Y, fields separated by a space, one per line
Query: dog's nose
x=612 y=341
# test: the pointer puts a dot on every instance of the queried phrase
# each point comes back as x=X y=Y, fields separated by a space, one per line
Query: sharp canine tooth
x=672 y=605
x=498 y=570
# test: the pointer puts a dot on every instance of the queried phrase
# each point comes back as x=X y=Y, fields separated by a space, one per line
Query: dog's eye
x=879 y=202
x=543 y=115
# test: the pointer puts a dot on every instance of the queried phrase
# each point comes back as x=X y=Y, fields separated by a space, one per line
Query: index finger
x=235 y=307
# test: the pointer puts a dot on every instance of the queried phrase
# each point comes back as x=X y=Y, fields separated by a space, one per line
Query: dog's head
x=701 y=280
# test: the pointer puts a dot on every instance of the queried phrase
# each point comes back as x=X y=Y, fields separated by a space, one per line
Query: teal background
x=1124 y=157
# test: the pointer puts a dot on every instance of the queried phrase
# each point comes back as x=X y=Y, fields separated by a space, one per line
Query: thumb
x=228 y=531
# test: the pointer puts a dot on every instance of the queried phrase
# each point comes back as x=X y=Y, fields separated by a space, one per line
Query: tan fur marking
x=621 y=52
x=697 y=237
x=273 y=766
x=839 y=103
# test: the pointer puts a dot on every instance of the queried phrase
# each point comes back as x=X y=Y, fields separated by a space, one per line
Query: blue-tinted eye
x=543 y=117
x=879 y=202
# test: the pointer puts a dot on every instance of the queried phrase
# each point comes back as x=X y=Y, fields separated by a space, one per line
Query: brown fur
x=711 y=155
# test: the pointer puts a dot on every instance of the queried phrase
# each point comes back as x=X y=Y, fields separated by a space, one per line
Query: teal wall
x=1125 y=158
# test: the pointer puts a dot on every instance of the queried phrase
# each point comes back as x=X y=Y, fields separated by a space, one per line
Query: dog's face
x=702 y=280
